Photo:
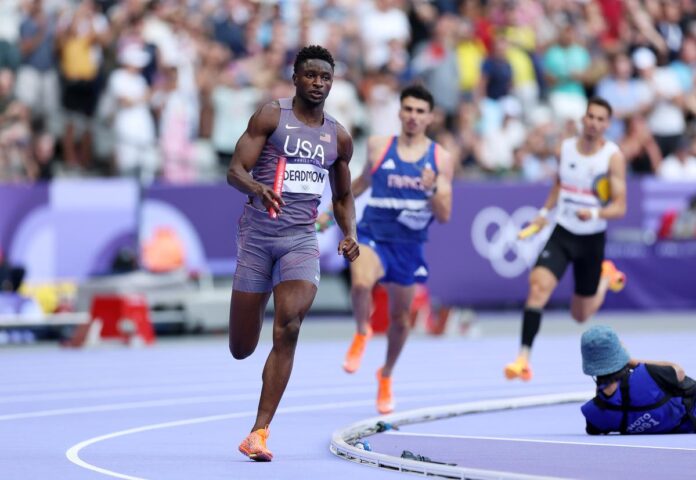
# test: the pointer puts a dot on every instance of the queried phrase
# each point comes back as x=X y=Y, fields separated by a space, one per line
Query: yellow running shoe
x=617 y=279
x=254 y=446
x=385 y=398
x=518 y=369
x=356 y=350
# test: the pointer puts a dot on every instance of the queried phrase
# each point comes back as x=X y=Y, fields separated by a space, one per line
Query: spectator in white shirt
x=499 y=145
x=134 y=124
x=627 y=96
x=665 y=118
x=381 y=25
x=681 y=165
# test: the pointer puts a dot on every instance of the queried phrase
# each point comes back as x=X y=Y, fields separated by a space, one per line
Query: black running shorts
x=585 y=252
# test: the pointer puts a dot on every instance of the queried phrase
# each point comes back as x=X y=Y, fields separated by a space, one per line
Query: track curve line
x=342 y=440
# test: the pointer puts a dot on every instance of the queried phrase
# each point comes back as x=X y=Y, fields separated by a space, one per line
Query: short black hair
x=313 y=52
x=420 y=92
x=601 y=102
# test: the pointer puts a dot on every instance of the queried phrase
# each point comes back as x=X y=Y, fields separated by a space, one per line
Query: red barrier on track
x=421 y=310
x=121 y=317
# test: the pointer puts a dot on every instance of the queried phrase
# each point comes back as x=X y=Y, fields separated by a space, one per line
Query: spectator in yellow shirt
x=470 y=55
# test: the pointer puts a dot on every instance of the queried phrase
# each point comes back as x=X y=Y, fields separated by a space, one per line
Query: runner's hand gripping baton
x=528 y=231
x=278 y=184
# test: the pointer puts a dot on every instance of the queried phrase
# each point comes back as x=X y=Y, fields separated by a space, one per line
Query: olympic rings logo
x=494 y=235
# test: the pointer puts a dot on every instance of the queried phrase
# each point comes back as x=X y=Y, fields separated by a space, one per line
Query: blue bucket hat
x=602 y=352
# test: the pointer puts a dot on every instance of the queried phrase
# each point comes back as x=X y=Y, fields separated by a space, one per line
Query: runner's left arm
x=342 y=196
x=441 y=200
x=616 y=208
x=617 y=183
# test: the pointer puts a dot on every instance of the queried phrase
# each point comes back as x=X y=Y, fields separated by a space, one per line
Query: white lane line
x=115 y=392
x=307 y=392
x=530 y=440
x=110 y=407
x=78 y=392
x=73 y=453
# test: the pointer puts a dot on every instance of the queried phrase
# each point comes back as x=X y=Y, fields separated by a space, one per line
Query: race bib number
x=304 y=178
x=569 y=211
x=570 y=207
x=415 y=219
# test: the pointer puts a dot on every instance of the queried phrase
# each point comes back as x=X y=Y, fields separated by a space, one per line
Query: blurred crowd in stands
x=162 y=89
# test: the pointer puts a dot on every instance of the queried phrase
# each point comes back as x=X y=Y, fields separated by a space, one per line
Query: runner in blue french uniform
x=411 y=180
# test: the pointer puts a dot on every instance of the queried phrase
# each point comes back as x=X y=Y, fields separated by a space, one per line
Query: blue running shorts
x=403 y=262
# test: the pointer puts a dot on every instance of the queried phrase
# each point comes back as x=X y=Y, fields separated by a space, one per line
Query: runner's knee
x=579 y=314
x=240 y=352
x=539 y=288
x=400 y=318
x=287 y=335
x=361 y=285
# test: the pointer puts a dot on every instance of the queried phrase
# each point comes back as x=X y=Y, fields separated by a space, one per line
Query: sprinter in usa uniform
x=281 y=255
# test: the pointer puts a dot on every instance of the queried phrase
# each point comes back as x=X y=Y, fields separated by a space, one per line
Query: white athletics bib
x=415 y=219
x=304 y=178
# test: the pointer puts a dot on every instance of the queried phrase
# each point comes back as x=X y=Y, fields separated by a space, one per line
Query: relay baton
x=278 y=184
x=528 y=231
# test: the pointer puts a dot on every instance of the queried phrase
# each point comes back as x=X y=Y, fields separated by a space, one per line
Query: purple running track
x=190 y=404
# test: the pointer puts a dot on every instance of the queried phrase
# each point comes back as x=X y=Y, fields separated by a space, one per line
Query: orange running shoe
x=385 y=398
x=356 y=350
x=254 y=446
x=617 y=279
x=518 y=369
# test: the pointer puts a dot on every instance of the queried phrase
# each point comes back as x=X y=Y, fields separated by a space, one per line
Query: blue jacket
x=639 y=405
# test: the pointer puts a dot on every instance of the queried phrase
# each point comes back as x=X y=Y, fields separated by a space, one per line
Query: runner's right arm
x=375 y=145
x=541 y=219
x=261 y=125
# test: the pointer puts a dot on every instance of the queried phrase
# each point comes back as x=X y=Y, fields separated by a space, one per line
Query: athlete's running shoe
x=617 y=279
x=254 y=446
x=520 y=368
x=385 y=398
x=356 y=350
